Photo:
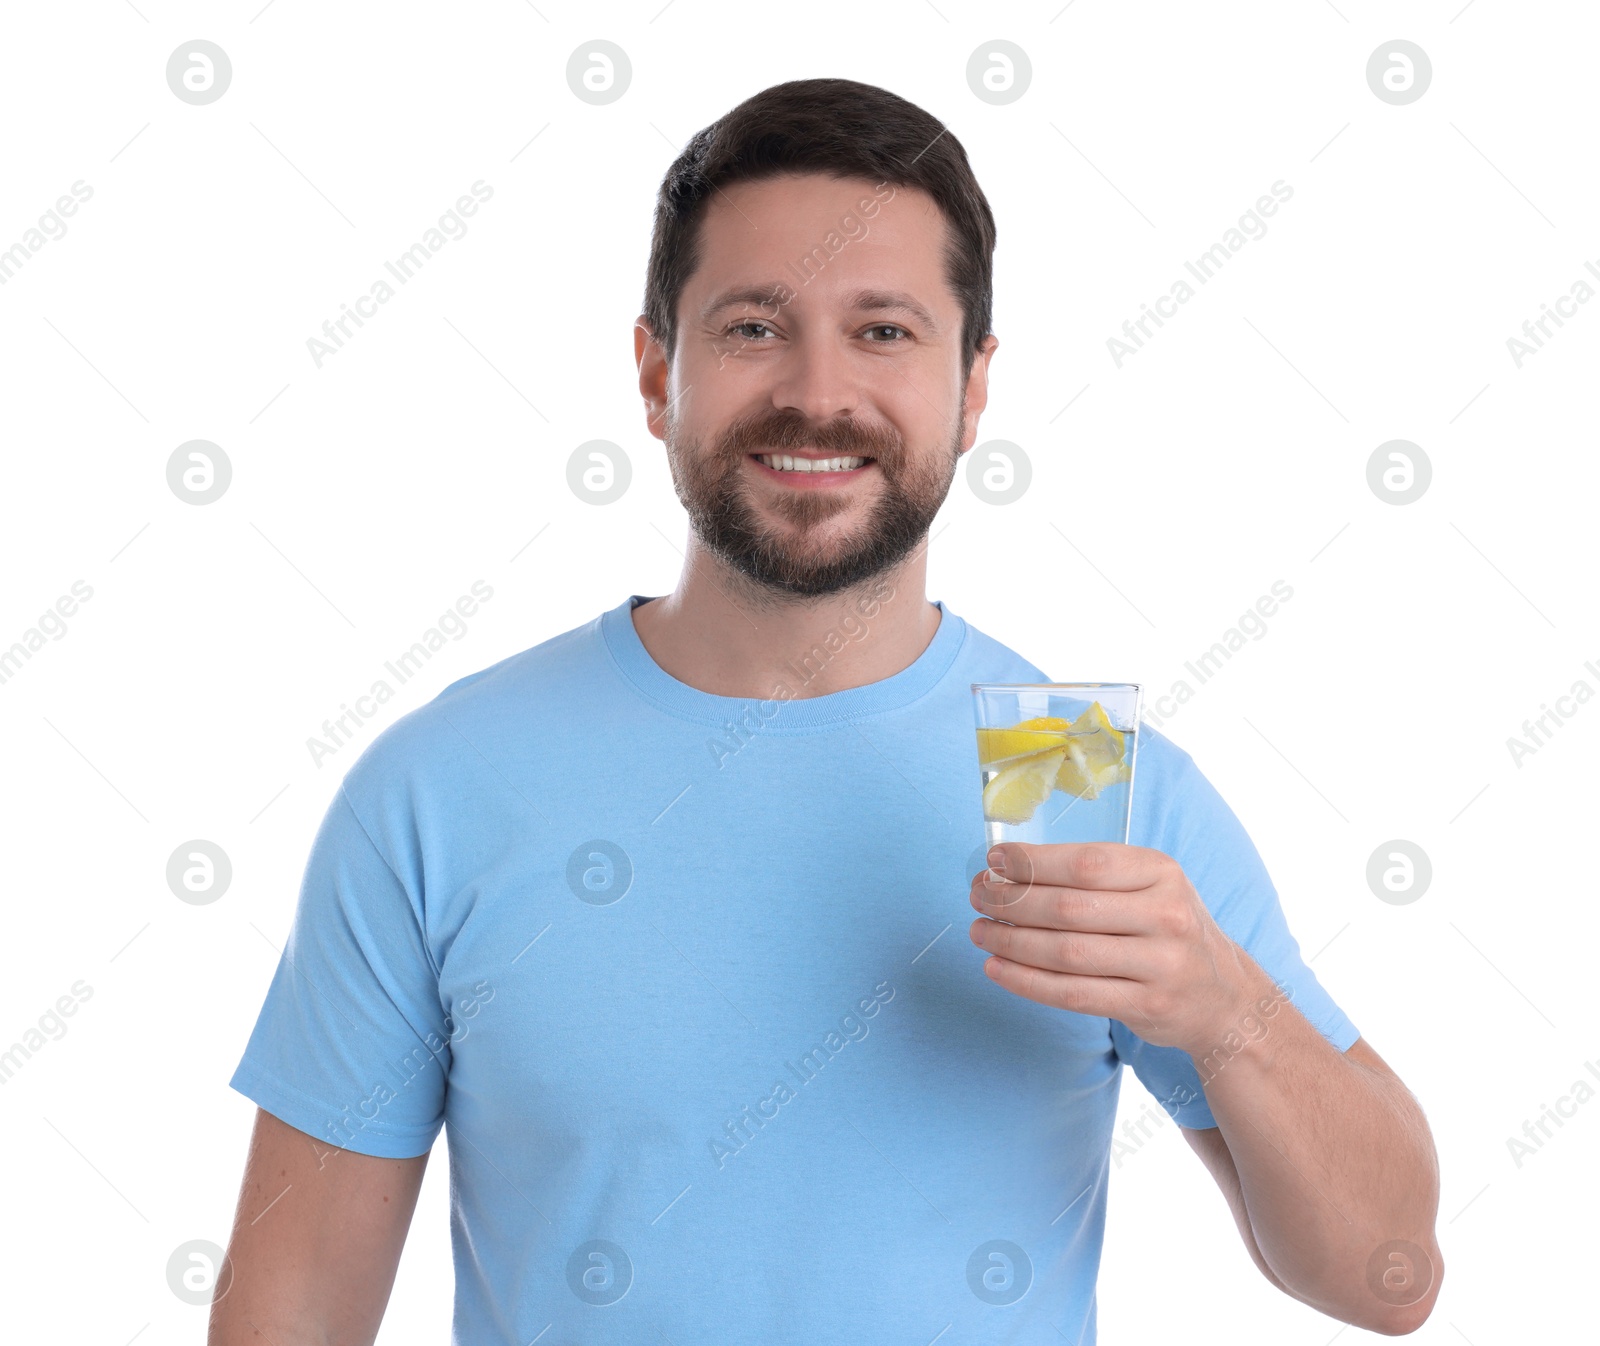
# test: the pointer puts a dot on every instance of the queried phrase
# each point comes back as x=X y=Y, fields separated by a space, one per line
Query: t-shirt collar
x=797 y=710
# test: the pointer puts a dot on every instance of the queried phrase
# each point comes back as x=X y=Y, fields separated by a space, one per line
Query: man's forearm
x=1337 y=1167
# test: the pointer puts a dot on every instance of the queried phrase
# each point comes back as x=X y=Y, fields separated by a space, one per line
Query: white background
x=369 y=494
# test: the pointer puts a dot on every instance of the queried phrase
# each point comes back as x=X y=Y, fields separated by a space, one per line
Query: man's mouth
x=792 y=462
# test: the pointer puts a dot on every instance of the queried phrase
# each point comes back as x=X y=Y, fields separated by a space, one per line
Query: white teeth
x=784 y=462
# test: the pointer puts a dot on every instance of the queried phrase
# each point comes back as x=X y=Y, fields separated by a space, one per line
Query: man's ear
x=653 y=375
x=975 y=396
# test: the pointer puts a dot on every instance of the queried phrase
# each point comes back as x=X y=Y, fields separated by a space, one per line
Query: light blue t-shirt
x=686 y=980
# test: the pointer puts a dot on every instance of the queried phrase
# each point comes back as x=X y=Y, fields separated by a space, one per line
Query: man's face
x=814 y=330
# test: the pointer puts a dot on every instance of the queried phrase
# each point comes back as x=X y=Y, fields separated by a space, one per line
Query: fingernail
x=997 y=861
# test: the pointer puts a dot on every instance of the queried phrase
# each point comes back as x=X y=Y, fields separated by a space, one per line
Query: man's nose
x=818 y=379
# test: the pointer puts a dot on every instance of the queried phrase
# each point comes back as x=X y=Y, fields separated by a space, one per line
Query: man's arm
x=316 y=1241
x=1317 y=1155
x=1335 y=1164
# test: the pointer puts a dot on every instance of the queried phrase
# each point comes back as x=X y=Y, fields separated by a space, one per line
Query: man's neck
x=719 y=633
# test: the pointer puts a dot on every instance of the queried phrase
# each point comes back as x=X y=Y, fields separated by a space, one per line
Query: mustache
x=779 y=432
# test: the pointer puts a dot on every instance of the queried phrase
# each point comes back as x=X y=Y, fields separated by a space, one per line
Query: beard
x=714 y=487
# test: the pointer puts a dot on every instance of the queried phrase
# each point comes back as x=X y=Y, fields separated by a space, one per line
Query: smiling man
x=653 y=919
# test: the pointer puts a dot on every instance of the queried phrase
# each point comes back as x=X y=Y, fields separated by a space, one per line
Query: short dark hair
x=844 y=129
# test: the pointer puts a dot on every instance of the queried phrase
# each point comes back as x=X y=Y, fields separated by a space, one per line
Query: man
x=651 y=918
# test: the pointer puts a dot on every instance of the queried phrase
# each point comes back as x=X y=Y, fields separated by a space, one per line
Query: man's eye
x=887 y=327
x=743 y=329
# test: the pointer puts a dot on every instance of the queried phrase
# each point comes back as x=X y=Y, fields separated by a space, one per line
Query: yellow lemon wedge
x=995 y=745
x=1078 y=757
x=1075 y=775
x=1018 y=789
x=1101 y=741
x=1078 y=776
x=1094 y=755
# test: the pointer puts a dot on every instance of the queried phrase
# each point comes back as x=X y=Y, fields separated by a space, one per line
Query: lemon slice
x=1076 y=775
x=1018 y=790
x=1081 y=775
x=1101 y=741
x=995 y=745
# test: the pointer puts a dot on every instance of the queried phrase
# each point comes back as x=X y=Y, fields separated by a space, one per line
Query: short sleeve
x=1183 y=815
x=351 y=1045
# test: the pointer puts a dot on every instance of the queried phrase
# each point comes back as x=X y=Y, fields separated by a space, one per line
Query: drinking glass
x=1057 y=759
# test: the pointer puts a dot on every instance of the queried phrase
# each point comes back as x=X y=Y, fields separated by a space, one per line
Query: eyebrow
x=857 y=301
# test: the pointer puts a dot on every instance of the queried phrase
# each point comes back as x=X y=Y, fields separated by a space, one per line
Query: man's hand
x=1114 y=932
x=1331 y=1155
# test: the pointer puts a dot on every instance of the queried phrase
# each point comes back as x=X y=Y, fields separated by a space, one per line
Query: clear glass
x=1057 y=759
